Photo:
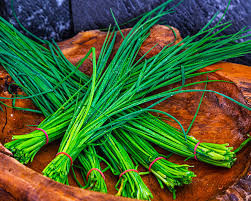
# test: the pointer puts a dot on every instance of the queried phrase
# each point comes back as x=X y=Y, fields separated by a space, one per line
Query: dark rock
x=189 y=17
x=46 y=19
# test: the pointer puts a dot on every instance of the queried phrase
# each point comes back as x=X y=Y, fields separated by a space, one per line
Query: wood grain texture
x=219 y=121
x=239 y=74
x=4 y=150
x=27 y=184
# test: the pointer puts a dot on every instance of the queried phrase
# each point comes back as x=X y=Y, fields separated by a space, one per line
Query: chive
x=170 y=174
x=131 y=184
x=109 y=94
x=89 y=159
x=86 y=113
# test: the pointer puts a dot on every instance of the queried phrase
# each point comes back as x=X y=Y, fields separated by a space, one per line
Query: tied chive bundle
x=89 y=164
x=170 y=174
x=131 y=184
x=25 y=147
x=172 y=139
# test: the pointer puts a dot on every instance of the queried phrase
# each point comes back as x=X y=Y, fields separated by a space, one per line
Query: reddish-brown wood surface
x=219 y=121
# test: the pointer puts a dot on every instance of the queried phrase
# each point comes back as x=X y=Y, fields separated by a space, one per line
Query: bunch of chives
x=48 y=79
x=173 y=80
x=112 y=91
x=172 y=139
x=38 y=138
x=170 y=174
x=131 y=184
x=91 y=170
x=51 y=91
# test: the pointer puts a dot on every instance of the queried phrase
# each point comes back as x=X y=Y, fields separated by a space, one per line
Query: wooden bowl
x=219 y=121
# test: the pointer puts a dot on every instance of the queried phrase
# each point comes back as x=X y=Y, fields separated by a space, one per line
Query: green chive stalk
x=166 y=172
x=88 y=159
x=131 y=184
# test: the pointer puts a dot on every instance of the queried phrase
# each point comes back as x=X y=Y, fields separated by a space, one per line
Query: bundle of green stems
x=172 y=139
x=46 y=76
x=88 y=108
x=91 y=171
x=114 y=89
x=131 y=184
x=43 y=74
x=166 y=172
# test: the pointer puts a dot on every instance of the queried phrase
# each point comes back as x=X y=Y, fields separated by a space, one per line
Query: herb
x=91 y=170
x=131 y=184
x=47 y=79
x=115 y=89
x=30 y=144
x=172 y=139
x=170 y=174
x=89 y=108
